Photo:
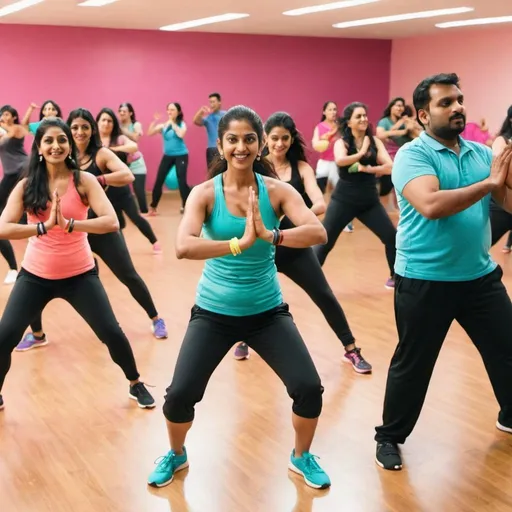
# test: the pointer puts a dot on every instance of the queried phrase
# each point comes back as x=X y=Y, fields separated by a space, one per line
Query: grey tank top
x=13 y=156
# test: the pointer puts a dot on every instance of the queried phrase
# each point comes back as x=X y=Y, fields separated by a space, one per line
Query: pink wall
x=94 y=68
x=479 y=57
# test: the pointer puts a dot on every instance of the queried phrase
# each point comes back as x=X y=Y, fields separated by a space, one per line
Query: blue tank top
x=173 y=145
x=246 y=284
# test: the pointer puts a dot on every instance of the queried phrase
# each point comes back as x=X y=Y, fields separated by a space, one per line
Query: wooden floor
x=72 y=441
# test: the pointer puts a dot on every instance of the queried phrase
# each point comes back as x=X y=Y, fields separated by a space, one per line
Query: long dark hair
x=116 y=127
x=37 y=188
x=297 y=150
x=12 y=111
x=242 y=113
x=57 y=108
x=392 y=103
x=95 y=140
x=506 y=127
x=130 y=111
x=179 y=117
x=346 y=132
x=326 y=104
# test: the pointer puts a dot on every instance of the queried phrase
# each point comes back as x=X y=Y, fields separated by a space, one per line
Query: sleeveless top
x=173 y=145
x=328 y=154
x=297 y=183
x=133 y=157
x=246 y=284
x=60 y=255
x=13 y=156
x=115 y=194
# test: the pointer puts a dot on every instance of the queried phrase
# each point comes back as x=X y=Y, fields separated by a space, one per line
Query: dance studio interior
x=310 y=201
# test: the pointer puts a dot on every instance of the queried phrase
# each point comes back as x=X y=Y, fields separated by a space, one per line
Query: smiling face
x=82 y=131
x=124 y=115
x=279 y=141
x=239 y=145
x=7 y=118
x=397 y=109
x=55 y=146
x=358 y=120
x=445 y=116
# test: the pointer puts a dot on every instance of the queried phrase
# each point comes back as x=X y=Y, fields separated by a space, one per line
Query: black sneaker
x=142 y=395
x=388 y=456
x=1 y=402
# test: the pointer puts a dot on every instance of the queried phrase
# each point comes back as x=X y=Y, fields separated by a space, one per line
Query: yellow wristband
x=235 y=247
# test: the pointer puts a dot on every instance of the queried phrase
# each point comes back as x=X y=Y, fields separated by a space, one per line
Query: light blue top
x=174 y=145
x=32 y=127
x=211 y=122
x=246 y=284
x=454 y=248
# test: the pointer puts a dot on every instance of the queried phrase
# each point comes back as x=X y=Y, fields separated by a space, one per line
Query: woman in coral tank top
x=58 y=261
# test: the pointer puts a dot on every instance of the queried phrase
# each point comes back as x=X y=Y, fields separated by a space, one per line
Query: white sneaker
x=11 y=276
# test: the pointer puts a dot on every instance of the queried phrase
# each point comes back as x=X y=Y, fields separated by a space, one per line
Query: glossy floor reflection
x=71 y=440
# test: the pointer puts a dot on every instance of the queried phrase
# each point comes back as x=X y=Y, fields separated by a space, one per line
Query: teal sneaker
x=308 y=467
x=167 y=465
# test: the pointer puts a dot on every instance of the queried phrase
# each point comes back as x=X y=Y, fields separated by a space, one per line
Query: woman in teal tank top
x=238 y=296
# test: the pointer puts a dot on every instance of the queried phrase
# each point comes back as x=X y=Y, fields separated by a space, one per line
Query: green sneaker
x=167 y=465
x=308 y=467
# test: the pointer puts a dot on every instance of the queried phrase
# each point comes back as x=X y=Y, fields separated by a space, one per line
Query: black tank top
x=115 y=194
x=297 y=183
x=361 y=177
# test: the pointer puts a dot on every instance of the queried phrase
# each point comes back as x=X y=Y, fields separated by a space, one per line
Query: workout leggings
x=139 y=187
x=272 y=334
x=501 y=222
x=6 y=186
x=112 y=249
x=127 y=205
x=166 y=164
x=303 y=268
x=369 y=210
x=85 y=293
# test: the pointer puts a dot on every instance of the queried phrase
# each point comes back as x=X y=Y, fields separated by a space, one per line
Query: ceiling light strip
x=476 y=21
x=18 y=6
x=328 y=7
x=403 y=17
x=205 y=21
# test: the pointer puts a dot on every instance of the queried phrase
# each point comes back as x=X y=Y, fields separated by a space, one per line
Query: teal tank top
x=246 y=284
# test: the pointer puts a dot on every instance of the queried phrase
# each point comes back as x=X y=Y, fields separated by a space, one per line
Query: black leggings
x=85 y=293
x=126 y=204
x=303 y=268
x=424 y=312
x=6 y=186
x=139 y=187
x=166 y=164
x=272 y=334
x=112 y=249
x=369 y=210
x=386 y=185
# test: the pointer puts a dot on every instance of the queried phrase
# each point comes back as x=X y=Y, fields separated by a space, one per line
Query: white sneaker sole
x=501 y=427
x=296 y=470
x=396 y=468
x=141 y=406
x=179 y=468
x=359 y=372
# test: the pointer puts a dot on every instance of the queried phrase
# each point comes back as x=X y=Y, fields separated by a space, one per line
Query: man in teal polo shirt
x=443 y=268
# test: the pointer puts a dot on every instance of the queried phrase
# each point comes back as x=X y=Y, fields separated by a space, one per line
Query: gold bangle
x=235 y=247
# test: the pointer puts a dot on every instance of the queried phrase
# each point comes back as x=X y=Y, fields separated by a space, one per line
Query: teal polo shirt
x=454 y=248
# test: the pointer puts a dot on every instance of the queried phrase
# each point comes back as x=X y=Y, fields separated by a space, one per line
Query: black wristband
x=71 y=225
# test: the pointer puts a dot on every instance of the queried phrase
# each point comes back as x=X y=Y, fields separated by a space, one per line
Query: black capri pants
x=85 y=293
x=272 y=334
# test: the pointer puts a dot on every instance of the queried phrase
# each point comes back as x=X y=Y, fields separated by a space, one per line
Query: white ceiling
x=265 y=16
